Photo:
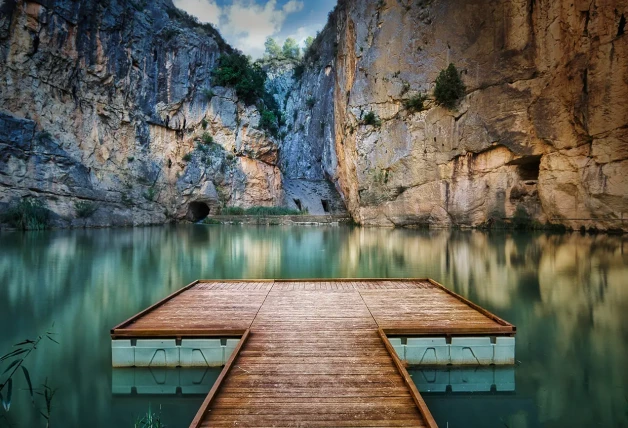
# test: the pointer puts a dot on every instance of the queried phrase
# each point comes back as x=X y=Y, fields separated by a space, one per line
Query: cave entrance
x=528 y=167
x=530 y=170
x=297 y=202
x=197 y=211
x=325 y=204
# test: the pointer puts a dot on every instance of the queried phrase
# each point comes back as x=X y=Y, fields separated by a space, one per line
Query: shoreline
x=334 y=220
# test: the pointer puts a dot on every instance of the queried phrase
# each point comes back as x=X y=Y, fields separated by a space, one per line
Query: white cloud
x=248 y=24
x=204 y=10
x=244 y=23
x=293 y=6
x=303 y=33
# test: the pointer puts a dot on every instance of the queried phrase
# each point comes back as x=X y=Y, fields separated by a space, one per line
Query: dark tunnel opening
x=197 y=211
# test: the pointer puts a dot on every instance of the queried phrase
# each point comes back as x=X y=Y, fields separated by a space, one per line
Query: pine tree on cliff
x=291 y=49
x=449 y=87
x=273 y=50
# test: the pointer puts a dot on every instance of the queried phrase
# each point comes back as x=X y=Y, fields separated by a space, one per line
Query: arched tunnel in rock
x=197 y=211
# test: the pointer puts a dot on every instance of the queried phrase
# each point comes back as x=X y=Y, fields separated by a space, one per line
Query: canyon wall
x=110 y=103
x=304 y=90
x=541 y=134
x=308 y=151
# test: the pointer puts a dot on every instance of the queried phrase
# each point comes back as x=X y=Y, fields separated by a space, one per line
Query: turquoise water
x=567 y=294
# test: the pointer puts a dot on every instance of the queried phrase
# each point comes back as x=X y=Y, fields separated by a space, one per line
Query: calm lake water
x=567 y=294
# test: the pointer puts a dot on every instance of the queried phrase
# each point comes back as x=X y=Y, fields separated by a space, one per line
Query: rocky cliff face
x=307 y=154
x=541 y=133
x=308 y=150
x=107 y=102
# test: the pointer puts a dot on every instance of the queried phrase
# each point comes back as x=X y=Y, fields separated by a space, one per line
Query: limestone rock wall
x=307 y=152
x=308 y=149
x=107 y=102
x=542 y=130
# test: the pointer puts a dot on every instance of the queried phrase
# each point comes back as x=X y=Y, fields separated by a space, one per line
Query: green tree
x=273 y=50
x=308 y=44
x=237 y=71
x=248 y=79
x=291 y=48
x=449 y=87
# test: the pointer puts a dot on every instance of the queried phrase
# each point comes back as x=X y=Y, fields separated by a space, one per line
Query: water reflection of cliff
x=567 y=294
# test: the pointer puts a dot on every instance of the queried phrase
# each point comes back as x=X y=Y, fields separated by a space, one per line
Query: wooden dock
x=313 y=352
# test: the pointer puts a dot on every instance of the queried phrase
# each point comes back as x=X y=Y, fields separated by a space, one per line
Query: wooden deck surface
x=314 y=353
x=207 y=306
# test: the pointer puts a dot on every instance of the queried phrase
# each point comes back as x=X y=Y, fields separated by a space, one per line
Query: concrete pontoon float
x=316 y=352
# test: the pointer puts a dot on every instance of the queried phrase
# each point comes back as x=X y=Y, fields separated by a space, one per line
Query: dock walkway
x=313 y=353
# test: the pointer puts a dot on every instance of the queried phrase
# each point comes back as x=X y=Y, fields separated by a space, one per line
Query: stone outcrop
x=317 y=197
x=111 y=102
x=541 y=133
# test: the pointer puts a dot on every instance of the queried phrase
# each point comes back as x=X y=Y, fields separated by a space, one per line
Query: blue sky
x=246 y=24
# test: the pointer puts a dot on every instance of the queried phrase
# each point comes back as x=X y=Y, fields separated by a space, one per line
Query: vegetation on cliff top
x=248 y=79
x=314 y=46
x=192 y=22
x=235 y=70
x=289 y=50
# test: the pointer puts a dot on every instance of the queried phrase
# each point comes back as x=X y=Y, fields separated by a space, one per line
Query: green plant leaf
x=13 y=364
x=28 y=381
x=25 y=342
x=52 y=339
x=13 y=354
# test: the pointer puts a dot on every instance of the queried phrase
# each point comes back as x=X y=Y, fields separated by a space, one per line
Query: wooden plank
x=425 y=412
x=165 y=333
x=217 y=384
x=448 y=331
x=365 y=416
x=272 y=422
x=156 y=305
x=231 y=281
x=322 y=280
x=199 y=311
x=227 y=402
x=431 y=311
x=473 y=305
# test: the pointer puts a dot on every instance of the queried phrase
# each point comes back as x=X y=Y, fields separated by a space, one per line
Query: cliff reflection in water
x=567 y=294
